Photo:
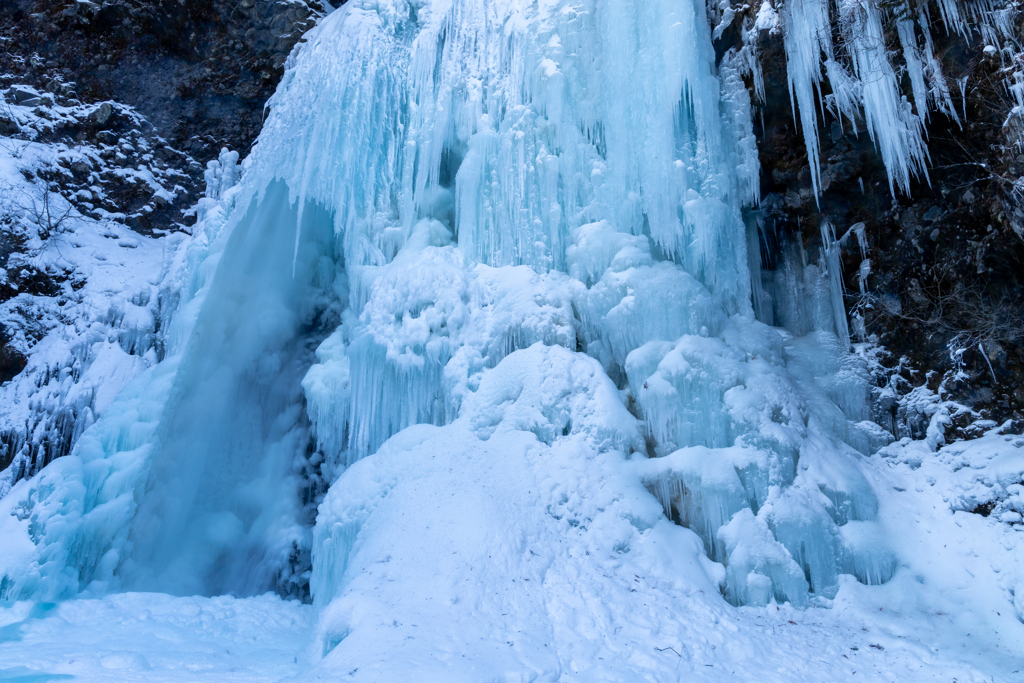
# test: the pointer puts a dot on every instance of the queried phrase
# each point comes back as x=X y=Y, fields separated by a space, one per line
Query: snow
x=153 y=637
x=471 y=561
x=971 y=565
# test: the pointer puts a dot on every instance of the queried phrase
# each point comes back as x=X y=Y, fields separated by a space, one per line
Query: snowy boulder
x=553 y=393
x=101 y=115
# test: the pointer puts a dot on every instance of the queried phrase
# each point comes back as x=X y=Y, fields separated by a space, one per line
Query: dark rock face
x=11 y=360
x=199 y=70
x=172 y=82
x=945 y=291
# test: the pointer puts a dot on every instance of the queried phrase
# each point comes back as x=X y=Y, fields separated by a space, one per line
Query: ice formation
x=497 y=230
x=837 y=59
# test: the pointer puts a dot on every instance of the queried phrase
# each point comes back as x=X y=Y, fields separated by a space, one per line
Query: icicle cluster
x=511 y=220
x=862 y=80
x=839 y=58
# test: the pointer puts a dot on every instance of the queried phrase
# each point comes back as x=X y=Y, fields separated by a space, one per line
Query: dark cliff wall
x=200 y=71
x=945 y=293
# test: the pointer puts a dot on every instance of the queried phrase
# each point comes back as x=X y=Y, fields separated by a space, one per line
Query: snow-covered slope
x=82 y=306
x=92 y=202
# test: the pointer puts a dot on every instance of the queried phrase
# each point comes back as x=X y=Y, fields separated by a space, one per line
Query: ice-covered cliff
x=480 y=344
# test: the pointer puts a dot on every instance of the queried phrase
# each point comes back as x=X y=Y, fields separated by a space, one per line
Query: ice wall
x=596 y=147
x=222 y=503
x=190 y=482
x=513 y=221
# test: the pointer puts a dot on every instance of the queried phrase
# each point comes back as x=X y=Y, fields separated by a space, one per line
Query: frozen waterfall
x=497 y=246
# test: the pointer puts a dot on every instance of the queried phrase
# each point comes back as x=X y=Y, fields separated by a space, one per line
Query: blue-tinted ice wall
x=439 y=184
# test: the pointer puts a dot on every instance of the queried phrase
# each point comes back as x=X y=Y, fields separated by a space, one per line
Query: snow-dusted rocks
x=80 y=304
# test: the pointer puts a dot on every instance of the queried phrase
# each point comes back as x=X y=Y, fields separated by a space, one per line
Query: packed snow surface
x=153 y=637
x=470 y=357
x=463 y=574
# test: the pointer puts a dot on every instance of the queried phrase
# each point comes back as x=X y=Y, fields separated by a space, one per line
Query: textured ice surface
x=439 y=187
x=479 y=549
x=522 y=156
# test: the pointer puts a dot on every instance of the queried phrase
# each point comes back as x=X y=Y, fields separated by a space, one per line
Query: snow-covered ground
x=430 y=605
x=153 y=637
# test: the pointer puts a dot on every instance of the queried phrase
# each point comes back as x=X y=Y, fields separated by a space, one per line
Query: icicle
x=739 y=123
x=863 y=81
x=808 y=36
x=862 y=275
x=915 y=66
x=833 y=266
x=893 y=127
x=938 y=90
x=221 y=174
x=984 y=355
x=761 y=299
x=860 y=230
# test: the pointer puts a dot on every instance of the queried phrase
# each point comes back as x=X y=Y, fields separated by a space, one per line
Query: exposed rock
x=945 y=288
x=8 y=126
x=101 y=115
x=11 y=362
x=109 y=163
x=199 y=70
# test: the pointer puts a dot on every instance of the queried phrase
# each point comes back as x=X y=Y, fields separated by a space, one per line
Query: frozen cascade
x=216 y=515
x=515 y=230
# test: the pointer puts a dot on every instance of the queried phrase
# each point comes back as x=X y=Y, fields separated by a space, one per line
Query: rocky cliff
x=199 y=71
x=935 y=273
